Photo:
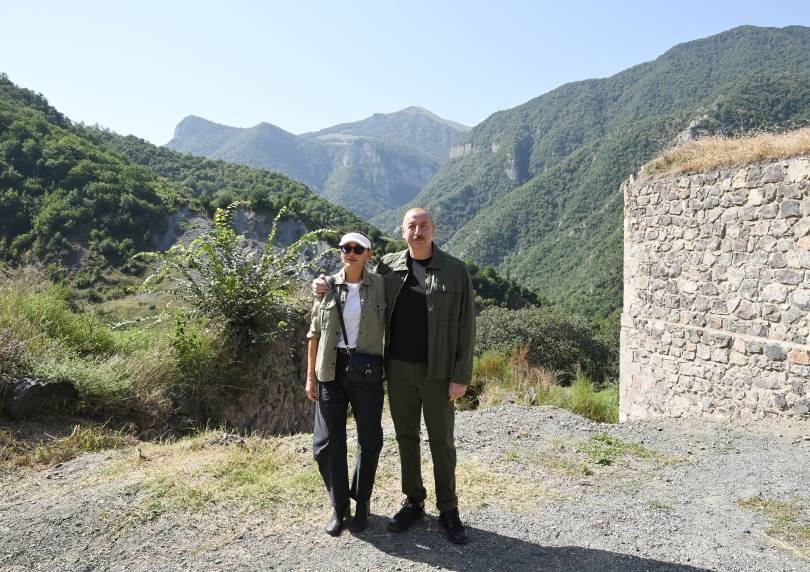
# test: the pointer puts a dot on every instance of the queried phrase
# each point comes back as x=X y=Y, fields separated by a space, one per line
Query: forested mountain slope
x=87 y=197
x=534 y=190
x=84 y=196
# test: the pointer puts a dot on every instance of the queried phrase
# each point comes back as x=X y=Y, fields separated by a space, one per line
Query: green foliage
x=251 y=293
x=499 y=378
x=48 y=338
x=554 y=339
x=601 y=405
x=605 y=450
x=537 y=196
x=216 y=184
x=57 y=188
x=492 y=289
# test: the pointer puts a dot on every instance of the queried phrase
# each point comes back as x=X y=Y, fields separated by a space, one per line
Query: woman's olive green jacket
x=325 y=324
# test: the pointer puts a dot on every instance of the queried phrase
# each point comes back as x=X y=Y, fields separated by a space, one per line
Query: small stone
x=786 y=276
x=798 y=169
x=739 y=179
x=719 y=355
x=773 y=174
x=775 y=352
x=800 y=298
x=768 y=211
x=791 y=209
x=774 y=293
x=801 y=228
x=801 y=357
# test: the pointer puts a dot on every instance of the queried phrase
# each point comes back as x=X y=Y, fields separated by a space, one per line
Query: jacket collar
x=400 y=263
x=340 y=277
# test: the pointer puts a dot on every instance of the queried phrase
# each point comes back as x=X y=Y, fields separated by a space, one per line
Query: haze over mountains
x=534 y=190
x=367 y=166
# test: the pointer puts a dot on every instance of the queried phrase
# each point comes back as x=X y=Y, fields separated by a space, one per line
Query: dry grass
x=712 y=153
x=498 y=379
x=16 y=453
x=785 y=519
x=213 y=469
x=556 y=461
x=278 y=475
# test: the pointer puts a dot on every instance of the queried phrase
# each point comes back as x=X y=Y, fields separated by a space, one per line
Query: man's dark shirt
x=409 y=323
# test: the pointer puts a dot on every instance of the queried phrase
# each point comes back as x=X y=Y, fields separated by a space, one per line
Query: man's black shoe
x=411 y=511
x=360 y=520
x=451 y=523
x=335 y=524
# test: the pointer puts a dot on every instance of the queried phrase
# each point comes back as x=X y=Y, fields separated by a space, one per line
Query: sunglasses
x=346 y=249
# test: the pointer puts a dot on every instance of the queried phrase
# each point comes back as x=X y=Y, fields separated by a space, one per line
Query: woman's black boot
x=360 y=521
x=335 y=525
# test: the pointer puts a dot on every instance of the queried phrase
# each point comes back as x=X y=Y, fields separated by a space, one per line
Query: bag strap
x=340 y=313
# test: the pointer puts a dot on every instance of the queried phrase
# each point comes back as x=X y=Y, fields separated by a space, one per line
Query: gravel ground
x=673 y=510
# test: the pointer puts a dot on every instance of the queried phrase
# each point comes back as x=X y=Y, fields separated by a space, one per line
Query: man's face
x=417 y=230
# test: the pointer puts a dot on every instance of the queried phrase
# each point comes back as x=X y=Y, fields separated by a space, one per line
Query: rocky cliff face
x=716 y=317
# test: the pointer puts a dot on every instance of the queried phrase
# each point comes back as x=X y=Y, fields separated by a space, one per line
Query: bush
x=252 y=294
x=554 y=340
x=498 y=378
x=117 y=373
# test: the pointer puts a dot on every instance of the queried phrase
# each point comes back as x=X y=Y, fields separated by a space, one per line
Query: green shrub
x=555 y=340
x=490 y=368
x=498 y=378
x=254 y=295
x=597 y=405
x=124 y=373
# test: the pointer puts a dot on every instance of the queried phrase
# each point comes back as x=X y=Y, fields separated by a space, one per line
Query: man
x=429 y=346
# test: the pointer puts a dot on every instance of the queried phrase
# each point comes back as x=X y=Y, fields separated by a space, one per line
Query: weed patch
x=785 y=519
x=603 y=449
x=554 y=461
x=84 y=439
x=498 y=379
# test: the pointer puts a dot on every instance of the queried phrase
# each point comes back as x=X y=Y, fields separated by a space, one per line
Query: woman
x=359 y=295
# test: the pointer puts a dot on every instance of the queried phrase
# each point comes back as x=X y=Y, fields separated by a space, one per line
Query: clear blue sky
x=140 y=67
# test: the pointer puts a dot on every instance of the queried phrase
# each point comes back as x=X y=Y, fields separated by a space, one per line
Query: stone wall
x=717 y=293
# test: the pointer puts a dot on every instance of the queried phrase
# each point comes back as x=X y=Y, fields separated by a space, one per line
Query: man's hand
x=456 y=390
x=312 y=389
x=320 y=286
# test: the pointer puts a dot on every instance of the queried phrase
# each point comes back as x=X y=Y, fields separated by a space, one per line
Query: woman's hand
x=312 y=389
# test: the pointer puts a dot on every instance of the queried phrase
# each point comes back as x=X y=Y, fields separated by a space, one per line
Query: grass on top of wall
x=711 y=153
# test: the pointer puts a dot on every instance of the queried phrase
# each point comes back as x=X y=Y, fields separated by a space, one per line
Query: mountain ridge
x=535 y=189
x=366 y=165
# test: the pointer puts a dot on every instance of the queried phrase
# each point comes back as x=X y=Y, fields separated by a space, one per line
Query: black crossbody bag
x=362 y=368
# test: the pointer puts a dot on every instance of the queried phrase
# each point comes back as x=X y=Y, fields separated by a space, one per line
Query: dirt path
x=540 y=488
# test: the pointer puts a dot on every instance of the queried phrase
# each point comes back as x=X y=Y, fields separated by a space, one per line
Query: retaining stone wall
x=716 y=318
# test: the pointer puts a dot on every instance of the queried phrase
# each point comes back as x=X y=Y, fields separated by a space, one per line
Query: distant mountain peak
x=192 y=125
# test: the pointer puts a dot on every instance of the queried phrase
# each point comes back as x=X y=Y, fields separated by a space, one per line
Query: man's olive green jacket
x=451 y=311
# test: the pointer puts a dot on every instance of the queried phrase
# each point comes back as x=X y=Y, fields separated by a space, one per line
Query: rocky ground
x=653 y=495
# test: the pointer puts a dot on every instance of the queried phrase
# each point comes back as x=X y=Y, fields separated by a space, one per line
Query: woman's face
x=352 y=259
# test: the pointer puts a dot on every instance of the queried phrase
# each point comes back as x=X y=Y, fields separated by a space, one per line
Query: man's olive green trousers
x=410 y=394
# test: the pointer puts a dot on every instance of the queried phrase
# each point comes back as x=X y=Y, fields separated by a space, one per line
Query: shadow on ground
x=487 y=550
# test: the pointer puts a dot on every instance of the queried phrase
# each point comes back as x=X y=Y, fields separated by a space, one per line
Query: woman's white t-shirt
x=351 y=316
